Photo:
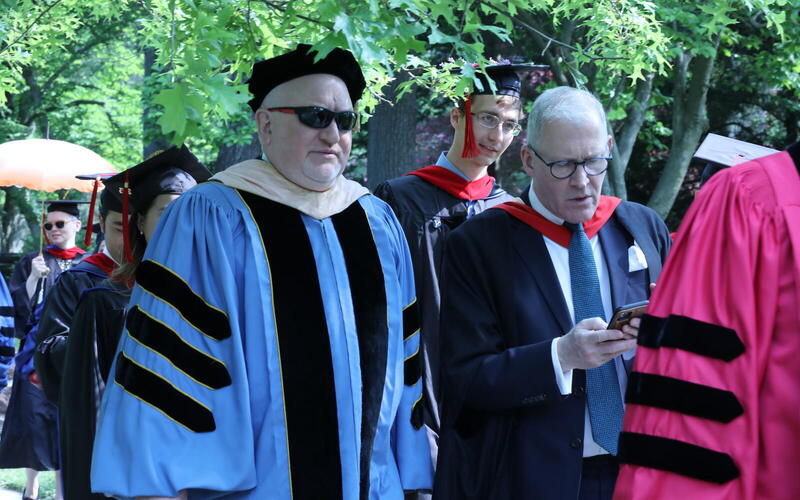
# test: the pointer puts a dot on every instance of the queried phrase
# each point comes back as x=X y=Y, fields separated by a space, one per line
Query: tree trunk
x=625 y=140
x=152 y=138
x=231 y=155
x=792 y=124
x=688 y=124
x=16 y=217
x=30 y=104
x=391 y=139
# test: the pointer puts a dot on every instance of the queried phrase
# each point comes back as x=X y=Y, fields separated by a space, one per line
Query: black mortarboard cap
x=66 y=206
x=300 y=62
x=109 y=199
x=172 y=171
x=506 y=78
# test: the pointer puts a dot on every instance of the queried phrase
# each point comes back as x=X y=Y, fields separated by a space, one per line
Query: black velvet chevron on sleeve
x=162 y=339
x=157 y=392
x=172 y=289
x=683 y=397
x=676 y=456
x=410 y=320
x=687 y=334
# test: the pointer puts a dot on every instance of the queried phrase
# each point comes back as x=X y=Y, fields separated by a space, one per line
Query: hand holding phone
x=624 y=314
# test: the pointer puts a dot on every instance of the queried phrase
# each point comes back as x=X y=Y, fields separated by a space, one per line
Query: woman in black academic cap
x=100 y=315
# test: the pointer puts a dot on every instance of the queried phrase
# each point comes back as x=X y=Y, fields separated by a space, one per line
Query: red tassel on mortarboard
x=90 y=221
x=125 y=237
x=470 y=148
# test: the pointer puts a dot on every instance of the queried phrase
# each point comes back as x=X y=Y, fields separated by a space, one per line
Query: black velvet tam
x=300 y=62
x=66 y=206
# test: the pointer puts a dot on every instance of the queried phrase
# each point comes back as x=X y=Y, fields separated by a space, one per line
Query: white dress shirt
x=560 y=258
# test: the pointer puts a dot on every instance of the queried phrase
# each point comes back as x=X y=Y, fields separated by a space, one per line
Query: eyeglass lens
x=489 y=120
x=59 y=224
x=592 y=166
x=317 y=117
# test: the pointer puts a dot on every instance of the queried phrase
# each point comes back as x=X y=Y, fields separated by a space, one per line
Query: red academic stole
x=102 y=261
x=454 y=184
x=558 y=233
x=64 y=253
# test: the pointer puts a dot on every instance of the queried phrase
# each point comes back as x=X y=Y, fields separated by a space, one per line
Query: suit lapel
x=529 y=244
x=615 y=253
x=645 y=240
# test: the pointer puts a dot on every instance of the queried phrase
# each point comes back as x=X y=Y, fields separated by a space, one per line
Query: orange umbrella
x=48 y=165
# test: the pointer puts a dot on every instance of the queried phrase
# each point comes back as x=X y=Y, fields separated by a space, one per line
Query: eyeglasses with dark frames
x=319 y=117
x=490 y=121
x=59 y=224
x=562 y=169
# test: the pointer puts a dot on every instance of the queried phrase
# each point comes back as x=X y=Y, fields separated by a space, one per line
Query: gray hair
x=563 y=103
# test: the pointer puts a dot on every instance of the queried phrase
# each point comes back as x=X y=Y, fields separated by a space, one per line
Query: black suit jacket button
x=576 y=443
x=581 y=390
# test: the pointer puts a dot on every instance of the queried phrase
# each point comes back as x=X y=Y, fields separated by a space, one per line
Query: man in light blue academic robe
x=271 y=348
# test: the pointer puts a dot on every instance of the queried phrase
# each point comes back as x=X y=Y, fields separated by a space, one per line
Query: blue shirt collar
x=445 y=163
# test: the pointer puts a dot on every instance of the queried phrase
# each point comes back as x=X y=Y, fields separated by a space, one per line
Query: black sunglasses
x=319 y=117
x=59 y=224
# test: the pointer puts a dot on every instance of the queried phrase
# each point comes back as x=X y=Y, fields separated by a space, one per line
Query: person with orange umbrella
x=36 y=272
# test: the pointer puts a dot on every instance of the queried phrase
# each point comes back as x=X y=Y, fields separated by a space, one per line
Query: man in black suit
x=532 y=379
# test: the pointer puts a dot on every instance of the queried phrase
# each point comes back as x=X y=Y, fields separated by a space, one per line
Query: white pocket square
x=636 y=259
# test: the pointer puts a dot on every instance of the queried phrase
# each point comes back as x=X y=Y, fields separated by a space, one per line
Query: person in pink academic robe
x=713 y=402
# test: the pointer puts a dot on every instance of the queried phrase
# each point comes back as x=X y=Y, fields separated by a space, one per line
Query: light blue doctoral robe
x=208 y=394
x=6 y=332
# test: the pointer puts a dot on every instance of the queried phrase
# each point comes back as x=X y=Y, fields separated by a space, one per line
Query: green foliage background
x=75 y=70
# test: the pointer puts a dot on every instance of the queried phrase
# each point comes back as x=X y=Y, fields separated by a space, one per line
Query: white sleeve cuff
x=629 y=354
x=563 y=379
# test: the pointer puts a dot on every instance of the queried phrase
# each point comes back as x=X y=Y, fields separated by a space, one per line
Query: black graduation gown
x=54 y=324
x=428 y=214
x=93 y=338
x=29 y=438
x=19 y=294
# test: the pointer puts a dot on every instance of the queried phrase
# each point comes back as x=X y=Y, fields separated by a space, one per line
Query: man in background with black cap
x=432 y=201
x=263 y=355
x=532 y=375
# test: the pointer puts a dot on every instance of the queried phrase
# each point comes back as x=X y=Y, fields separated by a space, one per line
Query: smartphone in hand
x=623 y=314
